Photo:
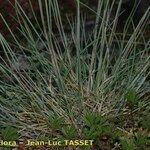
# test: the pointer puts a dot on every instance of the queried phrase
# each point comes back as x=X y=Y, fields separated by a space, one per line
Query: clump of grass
x=85 y=71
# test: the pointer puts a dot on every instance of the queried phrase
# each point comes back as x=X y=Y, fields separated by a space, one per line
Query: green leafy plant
x=146 y=121
x=117 y=134
x=69 y=132
x=131 y=96
x=141 y=140
x=56 y=122
x=127 y=144
x=95 y=125
x=9 y=134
